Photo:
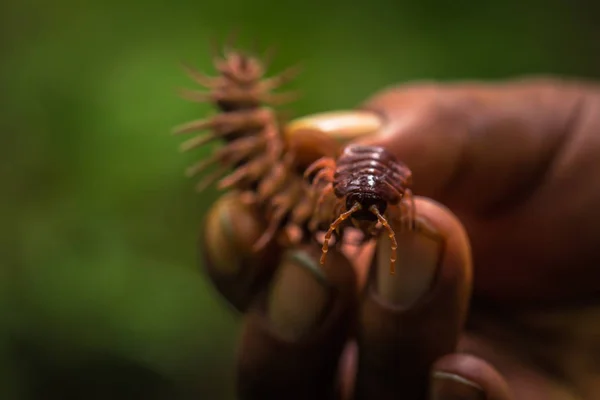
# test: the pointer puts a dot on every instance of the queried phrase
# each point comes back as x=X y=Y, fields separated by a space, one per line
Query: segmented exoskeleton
x=263 y=164
x=365 y=183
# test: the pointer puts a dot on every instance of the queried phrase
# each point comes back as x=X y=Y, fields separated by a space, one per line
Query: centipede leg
x=199 y=77
x=252 y=171
x=210 y=179
x=224 y=124
x=392 y=236
x=272 y=183
x=327 y=191
x=196 y=142
x=248 y=146
x=269 y=234
x=201 y=166
x=333 y=226
x=281 y=79
x=322 y=163
x=323 y=176
x=282 y=205
x=228 y=155
x=271 y=135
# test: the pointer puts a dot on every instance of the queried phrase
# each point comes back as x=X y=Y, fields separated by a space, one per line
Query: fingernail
x=228 y=223
x=418 y=259
x=448 y=386
x=342 y=125
x=219 y=240
x=299 y=297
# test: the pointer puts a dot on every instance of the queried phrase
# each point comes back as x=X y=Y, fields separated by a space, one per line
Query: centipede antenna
x=392 y=237
x=333 y=227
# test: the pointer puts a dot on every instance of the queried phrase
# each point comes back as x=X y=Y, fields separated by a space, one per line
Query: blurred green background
x=102 y=294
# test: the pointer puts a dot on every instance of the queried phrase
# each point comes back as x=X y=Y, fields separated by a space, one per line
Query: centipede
x=368 y=187
x=257 y=158
x=302 y=175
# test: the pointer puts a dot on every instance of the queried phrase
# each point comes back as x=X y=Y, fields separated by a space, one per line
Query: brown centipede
x=365 y=183
x=266 y=165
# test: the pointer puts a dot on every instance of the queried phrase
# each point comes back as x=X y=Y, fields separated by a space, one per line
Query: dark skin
x=497 y=294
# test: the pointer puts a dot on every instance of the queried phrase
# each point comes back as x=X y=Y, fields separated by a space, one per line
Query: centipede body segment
x=255 y=158
x=365 y=181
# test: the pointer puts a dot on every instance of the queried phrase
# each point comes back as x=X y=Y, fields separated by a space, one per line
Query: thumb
x=474 y=145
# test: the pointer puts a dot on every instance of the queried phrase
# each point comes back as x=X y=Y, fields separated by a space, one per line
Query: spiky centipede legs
x=263 y=169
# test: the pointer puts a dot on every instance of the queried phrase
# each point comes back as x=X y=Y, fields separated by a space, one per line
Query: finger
x=230 y=230
x=470 y=145
x=466 y=377
x=293 y=337
x=410 y=319
x=511 y=159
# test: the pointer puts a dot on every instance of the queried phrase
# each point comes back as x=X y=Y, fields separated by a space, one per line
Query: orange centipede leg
x=333 y=227
x=392 y=237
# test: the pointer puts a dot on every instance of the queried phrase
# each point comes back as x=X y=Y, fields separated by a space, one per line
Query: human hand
x=515 y=162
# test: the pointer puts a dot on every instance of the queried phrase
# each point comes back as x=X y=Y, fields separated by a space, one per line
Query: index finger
x=473 y=144
x=512 y=160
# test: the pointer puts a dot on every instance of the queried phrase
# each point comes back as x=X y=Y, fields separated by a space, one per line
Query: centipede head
x=367 y=200
x=364 y=215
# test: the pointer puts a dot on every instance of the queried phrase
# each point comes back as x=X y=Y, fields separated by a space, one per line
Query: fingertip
x=230 y=230
x=305 y=295
x=434 y=262
x=468 y=376
x=294 y=334
x=457 y=255
x=411 y=318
